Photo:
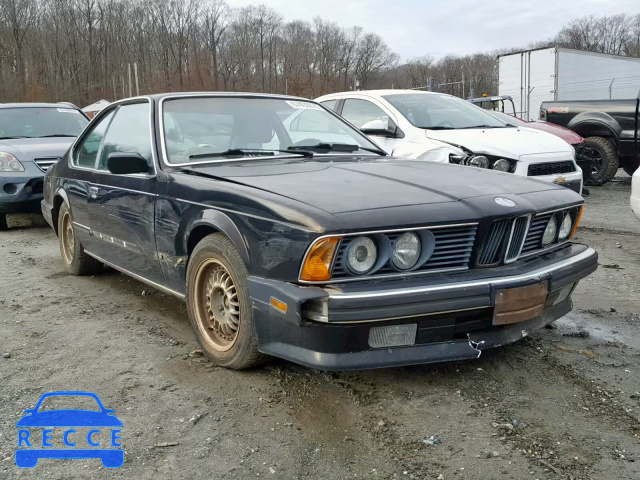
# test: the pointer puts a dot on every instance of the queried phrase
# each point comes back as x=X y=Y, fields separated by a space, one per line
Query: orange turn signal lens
x=317 y=265
x=575 y=225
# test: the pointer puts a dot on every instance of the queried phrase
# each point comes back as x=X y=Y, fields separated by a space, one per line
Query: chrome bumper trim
x=460 y=285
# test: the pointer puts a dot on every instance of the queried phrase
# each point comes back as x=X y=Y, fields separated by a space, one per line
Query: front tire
x=75 y=259
x=218 y=304
x=606 y=162
x=3 y=222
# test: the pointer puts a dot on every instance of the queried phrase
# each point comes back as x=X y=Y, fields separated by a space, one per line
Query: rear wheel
x=3 y=222
x=605 y=162
x=75 y=259
x=219 y=306
x=630 y=165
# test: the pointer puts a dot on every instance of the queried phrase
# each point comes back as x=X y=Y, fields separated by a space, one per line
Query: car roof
x=376 y=93
x=160 y=96
x=37 y=105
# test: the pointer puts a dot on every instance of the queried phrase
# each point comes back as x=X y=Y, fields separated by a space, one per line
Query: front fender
x=222 y=223
x=586 y=120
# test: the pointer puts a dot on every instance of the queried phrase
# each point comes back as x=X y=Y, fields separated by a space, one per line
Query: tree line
x=84 y=50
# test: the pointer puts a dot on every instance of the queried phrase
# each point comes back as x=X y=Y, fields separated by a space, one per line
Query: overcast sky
x=416 y=27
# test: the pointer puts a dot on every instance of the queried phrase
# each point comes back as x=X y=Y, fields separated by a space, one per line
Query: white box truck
x=547 y=74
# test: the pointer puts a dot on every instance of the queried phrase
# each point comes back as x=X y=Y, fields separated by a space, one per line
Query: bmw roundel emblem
x=505 y=202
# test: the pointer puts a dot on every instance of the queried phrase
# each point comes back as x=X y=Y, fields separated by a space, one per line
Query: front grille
x=45 y=164
x=452 y=251
x=533 y=241
x=552 y=168
x=490 y=254
x=518 y=233
x=504 y=241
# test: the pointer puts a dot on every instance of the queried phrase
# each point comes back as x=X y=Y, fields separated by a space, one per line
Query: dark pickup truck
x=610 y=129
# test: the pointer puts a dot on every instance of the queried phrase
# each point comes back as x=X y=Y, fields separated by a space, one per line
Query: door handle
x=93 y=192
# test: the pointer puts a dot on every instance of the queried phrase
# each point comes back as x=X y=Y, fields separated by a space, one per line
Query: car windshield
x=37 y=122
x=198 y=129
x=441 y=112
x=69 y=402
x=508 y=119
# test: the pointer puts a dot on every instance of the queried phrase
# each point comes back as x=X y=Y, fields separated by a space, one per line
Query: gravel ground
x=561 y=404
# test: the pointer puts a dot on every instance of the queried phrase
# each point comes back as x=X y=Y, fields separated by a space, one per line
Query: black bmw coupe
x=289 y=233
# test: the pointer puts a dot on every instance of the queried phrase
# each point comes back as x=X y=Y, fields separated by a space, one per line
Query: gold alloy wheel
x=67 y=238
x=216 y=306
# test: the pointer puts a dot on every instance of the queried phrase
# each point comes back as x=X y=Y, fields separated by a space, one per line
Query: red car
x=569 y=136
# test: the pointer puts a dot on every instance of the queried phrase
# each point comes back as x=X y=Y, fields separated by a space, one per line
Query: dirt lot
x=563 y=403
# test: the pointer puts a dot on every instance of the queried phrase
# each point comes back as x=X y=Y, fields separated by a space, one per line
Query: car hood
x=69 y=418
x=565 y=134
x=36 y=147
x=502 y=142
x=339 y=185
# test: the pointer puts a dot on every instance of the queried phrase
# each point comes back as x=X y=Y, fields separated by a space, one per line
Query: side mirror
x=126 y=163
x=379 y=127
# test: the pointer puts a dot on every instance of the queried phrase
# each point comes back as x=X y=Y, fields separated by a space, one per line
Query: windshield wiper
x=439 y=127
x=250 y=152
x=57 y=135
x=485 y=126
x=338 y=147
x=11 y=138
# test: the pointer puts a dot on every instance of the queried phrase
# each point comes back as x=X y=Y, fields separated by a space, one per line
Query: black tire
x=3 y=222
x=630 y=165
x=604 y=154
x=75 y=259
x=216 y=255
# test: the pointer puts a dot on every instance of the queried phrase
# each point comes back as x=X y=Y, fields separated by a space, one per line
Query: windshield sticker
x=67 y=110
x=304 y=105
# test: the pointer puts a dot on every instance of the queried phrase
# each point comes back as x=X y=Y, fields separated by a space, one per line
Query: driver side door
x=124 y=206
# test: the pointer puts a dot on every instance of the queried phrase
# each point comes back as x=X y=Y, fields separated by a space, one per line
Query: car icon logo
x=505 y=202
x=65 y=433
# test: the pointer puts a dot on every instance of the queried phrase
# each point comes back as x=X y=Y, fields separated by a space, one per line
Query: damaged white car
x=441 y=128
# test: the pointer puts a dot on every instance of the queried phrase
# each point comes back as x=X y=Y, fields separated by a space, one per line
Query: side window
x=330 y=104
x=360 y=112
x=86 y=152
x=128 y=133
x=314 y=121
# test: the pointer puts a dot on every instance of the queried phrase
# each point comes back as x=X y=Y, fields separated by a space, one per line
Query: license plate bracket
x=519 y=304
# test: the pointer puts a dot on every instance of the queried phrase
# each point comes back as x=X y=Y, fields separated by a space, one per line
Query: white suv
x=441 y=128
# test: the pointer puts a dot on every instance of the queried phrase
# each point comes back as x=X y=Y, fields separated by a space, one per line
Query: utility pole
x=135 y=71
x=129 y=73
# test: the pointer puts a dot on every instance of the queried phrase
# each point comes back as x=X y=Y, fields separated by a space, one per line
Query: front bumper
x=329 y=328
x=21 y=192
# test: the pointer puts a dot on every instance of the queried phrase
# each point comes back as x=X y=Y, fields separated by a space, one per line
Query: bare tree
x=19 y=17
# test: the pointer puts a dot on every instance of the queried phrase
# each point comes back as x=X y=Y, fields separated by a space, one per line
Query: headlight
x=502 y=165
x=565 y=228
x=362 y=255
x=9 y=163
x=440 y=155
x=550 y=232
x=479 y=161
x=406 y=251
